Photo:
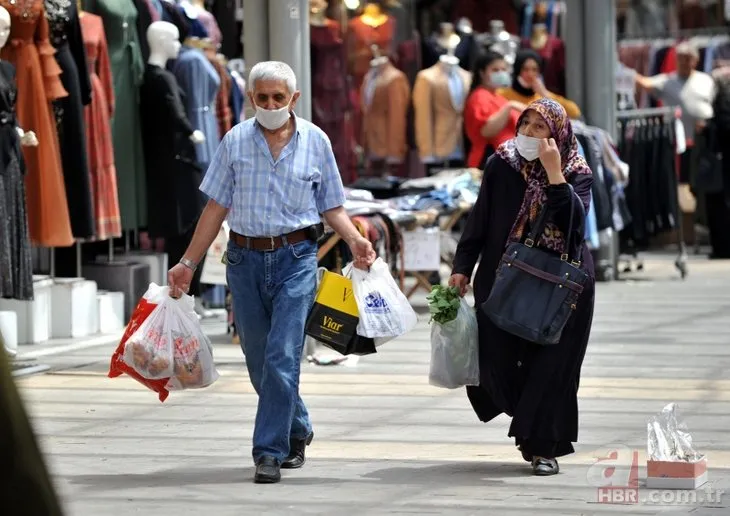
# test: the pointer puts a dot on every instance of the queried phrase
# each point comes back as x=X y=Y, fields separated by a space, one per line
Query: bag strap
x=541 y=221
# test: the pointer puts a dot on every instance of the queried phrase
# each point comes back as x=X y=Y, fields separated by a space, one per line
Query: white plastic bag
x=384 y=310
x=170 y=344
x=455 y=350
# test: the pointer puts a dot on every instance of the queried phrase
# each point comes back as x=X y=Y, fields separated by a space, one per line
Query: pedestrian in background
x=271 y=178
x=536 y=385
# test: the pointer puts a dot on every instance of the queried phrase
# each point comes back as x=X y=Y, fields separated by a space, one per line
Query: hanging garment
x=330 y=101
x=98 y=115
x=120 y=26
x=63 y=21
x=360 y=39
x=438 y=100
x=16 y=267
x=38 y=85
x=145 y=17
x=199 y=81
x=385 y=99
x=222 y=99
x=174 y=176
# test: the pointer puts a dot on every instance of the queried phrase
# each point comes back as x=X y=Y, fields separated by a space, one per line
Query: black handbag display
x=535 y=291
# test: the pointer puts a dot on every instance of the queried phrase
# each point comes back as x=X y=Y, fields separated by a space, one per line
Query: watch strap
x=189 y=264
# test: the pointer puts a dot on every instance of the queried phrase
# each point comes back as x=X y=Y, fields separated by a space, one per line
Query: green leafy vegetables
x=443 y=303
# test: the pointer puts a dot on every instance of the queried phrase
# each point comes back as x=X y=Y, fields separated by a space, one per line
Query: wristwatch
x=189 y=264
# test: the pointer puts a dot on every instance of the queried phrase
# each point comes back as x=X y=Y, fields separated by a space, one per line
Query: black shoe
x=267 y=471
x=296 y=458
x=544 y=467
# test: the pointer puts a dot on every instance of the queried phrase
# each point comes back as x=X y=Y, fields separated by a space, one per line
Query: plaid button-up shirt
x=268 y=197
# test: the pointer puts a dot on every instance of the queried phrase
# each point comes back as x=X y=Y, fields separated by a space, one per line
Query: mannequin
x=385 y=98
x=208 y=21
x=447 y=38
x=38 y=85
x=127 y=65
x=539 y=37
x=373 y=27
x=501 y=41
x=552 y=51
x=438 y=102
x=97 y=118
x=168 y=139
x=199 y=81
x=66 y=38
x=16 y=272
x=331 y=107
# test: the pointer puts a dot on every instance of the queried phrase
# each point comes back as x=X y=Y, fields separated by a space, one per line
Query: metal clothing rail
x=719 y=30
x=649 y=112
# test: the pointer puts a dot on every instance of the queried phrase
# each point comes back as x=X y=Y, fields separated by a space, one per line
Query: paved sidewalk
x=386 y=442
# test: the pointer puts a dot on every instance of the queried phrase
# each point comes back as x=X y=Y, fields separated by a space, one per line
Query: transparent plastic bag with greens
x=454 y=340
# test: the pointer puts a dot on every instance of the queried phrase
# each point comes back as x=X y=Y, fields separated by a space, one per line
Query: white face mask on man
x=528 y=147
x=272 y=119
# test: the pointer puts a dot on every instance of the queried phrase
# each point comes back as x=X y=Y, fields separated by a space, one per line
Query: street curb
x=51 y=350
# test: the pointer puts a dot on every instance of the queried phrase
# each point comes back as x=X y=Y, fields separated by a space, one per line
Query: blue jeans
x=273 y=293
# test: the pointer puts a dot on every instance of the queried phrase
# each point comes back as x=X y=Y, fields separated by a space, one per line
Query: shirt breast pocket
x=303 y=187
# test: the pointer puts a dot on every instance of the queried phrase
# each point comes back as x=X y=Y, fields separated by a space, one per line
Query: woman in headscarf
x=536 y=385
x=527 y=86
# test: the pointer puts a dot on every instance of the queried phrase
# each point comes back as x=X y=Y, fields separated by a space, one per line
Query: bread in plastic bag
x=163 y=346
x=455 y=350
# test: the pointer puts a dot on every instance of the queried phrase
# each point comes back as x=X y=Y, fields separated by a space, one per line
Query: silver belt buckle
x=273 y=245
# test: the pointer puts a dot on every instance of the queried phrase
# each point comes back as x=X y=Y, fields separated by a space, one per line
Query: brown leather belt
x=268 y=243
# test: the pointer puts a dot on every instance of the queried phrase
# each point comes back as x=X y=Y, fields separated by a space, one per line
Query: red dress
x=39 y=83
x=98 y=130
x=480 y=106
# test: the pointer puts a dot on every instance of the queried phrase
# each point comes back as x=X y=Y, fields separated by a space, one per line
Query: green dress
x=120 y=25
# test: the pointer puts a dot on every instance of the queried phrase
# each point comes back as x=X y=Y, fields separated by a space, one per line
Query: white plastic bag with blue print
x=385 y=313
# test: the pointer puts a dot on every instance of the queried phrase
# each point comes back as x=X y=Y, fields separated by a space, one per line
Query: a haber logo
x=616 y=474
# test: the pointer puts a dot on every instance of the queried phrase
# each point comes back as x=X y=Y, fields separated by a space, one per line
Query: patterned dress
x=97 y=116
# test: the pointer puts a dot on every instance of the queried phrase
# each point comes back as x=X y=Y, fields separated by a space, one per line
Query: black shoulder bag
x=535 y=291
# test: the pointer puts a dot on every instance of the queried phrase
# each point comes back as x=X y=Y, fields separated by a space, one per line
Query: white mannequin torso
x=164 y=41
x=27 y=139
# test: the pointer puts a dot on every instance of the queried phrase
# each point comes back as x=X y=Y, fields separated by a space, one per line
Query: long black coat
x=536 y=385
x=173 y=175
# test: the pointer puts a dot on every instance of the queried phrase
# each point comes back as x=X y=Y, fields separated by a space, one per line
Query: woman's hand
x=459 y=281
x=550 y=158
x=517 y=105
x=539 y=87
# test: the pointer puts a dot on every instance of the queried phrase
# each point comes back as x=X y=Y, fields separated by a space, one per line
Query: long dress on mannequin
x=199 y=81
x=330 y=100
x=38 y=85
x=63 y=20
x=98 y=115
x=120 y=19
x=16 y=268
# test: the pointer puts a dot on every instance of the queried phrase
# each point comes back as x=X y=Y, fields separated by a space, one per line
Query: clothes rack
x=675 y=34
x=664 y=213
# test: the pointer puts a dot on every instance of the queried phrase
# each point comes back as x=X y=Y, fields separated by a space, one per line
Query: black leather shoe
x=544 y=467
x=267 y=471
x=297 y=447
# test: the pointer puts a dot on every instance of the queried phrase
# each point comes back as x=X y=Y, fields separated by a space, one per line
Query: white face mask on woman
x=272 y=119
x=528 y=147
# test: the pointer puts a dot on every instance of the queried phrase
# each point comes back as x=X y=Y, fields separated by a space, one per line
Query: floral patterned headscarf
x=534 y=173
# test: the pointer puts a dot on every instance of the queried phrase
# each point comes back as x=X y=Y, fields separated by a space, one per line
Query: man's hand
x=363 y=253
x=459 y=281
x=179 y=279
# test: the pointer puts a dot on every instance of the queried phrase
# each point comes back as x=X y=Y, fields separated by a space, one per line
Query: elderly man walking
x=271 y=178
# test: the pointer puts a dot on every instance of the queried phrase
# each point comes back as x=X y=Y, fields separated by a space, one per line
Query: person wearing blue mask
x=489 y=118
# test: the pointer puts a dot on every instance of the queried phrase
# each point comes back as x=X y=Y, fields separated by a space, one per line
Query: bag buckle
x=575 y=263
x=564 y=257
x=529 y=242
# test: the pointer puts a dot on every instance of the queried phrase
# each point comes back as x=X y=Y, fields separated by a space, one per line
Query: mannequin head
x=372 y=9
x=317 y=7
x=164 y=40
x=4 y=26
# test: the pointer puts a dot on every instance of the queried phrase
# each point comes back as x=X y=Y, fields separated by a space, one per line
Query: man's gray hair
x=272 y=71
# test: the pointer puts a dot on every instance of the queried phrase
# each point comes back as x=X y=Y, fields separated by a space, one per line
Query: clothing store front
x=106 y=130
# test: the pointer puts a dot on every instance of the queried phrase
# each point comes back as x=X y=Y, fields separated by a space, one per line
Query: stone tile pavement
x=386 y=442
